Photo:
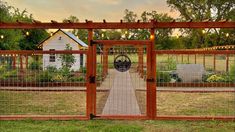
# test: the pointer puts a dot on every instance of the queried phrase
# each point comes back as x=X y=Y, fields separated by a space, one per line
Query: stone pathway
x=121 y=99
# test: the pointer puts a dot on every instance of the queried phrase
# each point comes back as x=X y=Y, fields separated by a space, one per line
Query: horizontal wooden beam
x=117 y=25
x=186 y=51
x=30 y=52
x=122 y=42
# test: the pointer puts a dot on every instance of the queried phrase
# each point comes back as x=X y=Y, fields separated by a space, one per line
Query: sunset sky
x=96 y=10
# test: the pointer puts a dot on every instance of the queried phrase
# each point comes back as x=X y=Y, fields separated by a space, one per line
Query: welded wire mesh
x=118 y=89
x=195 y=84
x=43 y=84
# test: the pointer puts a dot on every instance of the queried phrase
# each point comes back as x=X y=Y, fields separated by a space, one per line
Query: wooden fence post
x=214 y=62
x=151 y=78
x=91 y=76
x=105 y=60
x=204 y=60
x=227 y=62
x=14 y=61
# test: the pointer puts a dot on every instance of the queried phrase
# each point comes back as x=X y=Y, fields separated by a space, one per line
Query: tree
x=15 y=39
x=198 y=10
x=80 y=33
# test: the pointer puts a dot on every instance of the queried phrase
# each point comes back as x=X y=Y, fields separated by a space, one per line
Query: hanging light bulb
x=227 y=34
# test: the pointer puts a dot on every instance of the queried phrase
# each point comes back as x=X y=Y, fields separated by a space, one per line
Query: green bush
x=171 y=64
x=45 y=76
x=65 y=72
x=232 y=73
x=163 y=77
x=216 y=78
x=82 y=69
x=8 y=74
x=51 y=69
x=58 y=78
x=99 y=69
x=77 y=79
x=34 y=65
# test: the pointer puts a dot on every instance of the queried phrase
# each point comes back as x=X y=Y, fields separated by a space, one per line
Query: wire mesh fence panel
x=43 y=83
x=123 y=73
x=195 y=89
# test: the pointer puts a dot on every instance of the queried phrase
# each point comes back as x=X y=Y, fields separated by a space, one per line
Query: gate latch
x=92 y=79
x=150 y=80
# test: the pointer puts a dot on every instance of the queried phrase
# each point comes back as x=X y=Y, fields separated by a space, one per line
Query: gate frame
x=91 y=58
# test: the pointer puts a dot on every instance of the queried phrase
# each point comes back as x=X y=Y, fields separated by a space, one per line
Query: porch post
x=91 y=76
x=105 y=60
x=140 y=60
x=227 y=62
x=21 y=62
x=26 y=61
x=14 y=61
x=151 y=78
x=214 y=62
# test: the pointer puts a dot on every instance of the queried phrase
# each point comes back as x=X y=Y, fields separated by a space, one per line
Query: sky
x=95 y=10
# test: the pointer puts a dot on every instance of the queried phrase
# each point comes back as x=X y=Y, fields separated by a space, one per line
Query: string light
x=27 y=33
x=2 y=37
x=151 y=37
x=227 y=34
x=177 y=36
x=126 y=32
x=203 y=31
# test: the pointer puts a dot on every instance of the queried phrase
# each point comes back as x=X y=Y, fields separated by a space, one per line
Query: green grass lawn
x=116 y=126
x=196 y=104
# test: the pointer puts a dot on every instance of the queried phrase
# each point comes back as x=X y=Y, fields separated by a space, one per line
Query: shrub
x=45 y=76
x=171 y=64
x=7 y=74
x=34 y=65
x=77 y=79
x=232 y=73
x=99 y=69
x=51 y=69
x=163 y=77
x=82 y=69
x=58 y=78
x=216 y=78
x=65 y=72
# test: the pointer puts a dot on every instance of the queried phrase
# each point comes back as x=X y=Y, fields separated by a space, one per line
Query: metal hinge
x=92 y=42
x=92 y=79
x=93 y=116
x=150 y=80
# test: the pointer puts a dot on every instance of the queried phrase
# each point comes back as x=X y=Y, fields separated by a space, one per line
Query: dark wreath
x=122 y=63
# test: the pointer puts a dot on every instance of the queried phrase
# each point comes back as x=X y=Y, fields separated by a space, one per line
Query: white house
x=58 y=41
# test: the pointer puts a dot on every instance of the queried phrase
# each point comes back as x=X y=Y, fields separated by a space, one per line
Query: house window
x=52 y=56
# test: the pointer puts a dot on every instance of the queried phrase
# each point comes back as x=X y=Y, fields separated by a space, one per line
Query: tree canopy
x=15 y=39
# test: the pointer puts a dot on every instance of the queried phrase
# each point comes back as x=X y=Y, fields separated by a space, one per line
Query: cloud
x=96 y=10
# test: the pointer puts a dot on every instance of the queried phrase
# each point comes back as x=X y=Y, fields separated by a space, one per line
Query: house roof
x=70 y=35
